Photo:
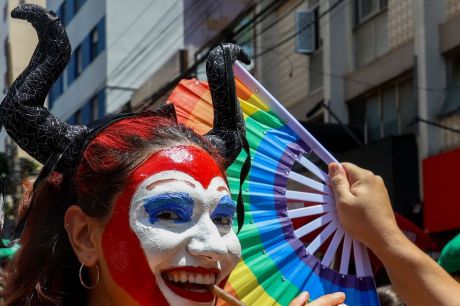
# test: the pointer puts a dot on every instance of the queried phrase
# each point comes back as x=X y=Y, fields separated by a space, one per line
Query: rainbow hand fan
x=291 y=239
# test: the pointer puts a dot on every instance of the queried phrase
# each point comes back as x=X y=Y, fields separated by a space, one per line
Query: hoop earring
x=81 y=277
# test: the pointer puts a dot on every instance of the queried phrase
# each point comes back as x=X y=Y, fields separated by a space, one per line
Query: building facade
x=382 y=70
x=116 y=47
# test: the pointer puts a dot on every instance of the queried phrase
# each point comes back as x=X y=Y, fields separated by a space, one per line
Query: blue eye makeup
x=224 y=212
x=176 y=207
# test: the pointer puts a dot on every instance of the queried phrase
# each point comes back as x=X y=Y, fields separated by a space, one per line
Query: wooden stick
x=231 y=300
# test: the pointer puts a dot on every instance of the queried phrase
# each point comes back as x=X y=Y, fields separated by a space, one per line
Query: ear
x=83 y=235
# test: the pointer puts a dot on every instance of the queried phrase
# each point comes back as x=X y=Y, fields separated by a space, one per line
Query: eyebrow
x=180 y=202
x=226 y=201
x=153 y=185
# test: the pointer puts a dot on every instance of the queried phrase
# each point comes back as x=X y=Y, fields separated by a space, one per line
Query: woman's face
x=170 y=236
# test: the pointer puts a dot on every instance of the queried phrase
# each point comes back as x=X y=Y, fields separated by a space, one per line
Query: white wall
x=141 y=37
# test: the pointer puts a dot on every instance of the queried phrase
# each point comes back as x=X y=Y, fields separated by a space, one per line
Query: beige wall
x=22 y=41
x=401 y=22
x=453 y=8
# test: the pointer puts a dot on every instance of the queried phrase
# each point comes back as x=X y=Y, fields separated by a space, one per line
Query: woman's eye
x=167 y=215
x=223 y=220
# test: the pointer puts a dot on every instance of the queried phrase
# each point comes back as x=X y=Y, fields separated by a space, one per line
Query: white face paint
x=186 y=234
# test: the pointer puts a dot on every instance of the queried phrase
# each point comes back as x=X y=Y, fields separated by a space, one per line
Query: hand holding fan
x=291 y=240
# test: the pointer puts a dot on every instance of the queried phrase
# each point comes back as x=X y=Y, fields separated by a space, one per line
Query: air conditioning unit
x=305 y=27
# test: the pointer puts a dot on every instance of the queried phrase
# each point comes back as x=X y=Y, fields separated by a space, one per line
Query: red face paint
x=122 y=249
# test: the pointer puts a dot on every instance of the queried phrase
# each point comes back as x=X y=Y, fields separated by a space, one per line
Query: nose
x=207 y=242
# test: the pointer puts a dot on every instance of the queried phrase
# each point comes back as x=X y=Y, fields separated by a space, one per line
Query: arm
x=365 y=212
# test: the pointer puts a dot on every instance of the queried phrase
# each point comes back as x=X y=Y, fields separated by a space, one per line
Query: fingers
x=356 y=173
x=301 y=300
x=339 y=182
x=333 y=299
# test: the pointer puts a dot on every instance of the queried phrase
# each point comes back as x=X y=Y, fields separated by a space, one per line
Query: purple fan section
x=347 y=281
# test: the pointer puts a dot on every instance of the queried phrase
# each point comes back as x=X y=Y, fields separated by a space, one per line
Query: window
x=62 y=13
x=386 y=112
x=94 y=107
x=452 y=100
x=371 y=39
x=78 y=117
x=78 y=61
x=365 y=9
x=94 y=37
x=76 y=6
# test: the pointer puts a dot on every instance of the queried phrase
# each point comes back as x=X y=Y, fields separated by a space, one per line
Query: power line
x=345 y=78
x=270 y=68
x=138 y=17
x=131 y=56
x=152 y=99
x=158 y=42
x=195 y=26
x=336 y=4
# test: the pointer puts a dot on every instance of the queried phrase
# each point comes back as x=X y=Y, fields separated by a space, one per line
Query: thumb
x=339 y=181
x=301 y=300
x=333 y=299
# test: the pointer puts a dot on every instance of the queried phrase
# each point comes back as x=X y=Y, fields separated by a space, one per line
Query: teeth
x=176 y=277
x=200 y=279
x=190 y=277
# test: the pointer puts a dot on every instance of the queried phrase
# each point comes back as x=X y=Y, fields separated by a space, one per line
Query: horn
x=228 y=125
x=22 y=112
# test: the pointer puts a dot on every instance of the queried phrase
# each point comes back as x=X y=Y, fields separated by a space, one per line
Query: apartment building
x=116 y=46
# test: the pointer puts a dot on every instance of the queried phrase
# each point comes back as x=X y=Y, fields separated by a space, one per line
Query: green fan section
x=262 y=266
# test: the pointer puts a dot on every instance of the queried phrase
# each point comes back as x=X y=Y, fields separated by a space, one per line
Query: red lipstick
x=190 y=290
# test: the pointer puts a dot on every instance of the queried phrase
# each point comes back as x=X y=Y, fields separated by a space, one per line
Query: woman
x=131 y=210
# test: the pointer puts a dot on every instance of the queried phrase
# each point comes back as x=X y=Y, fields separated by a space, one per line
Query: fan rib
x=309 y=182
x=321 y=238
x=309 y=211
x=346 y=250
x=333 y=246
x=308 y=197
x=313 y=169
x=357 y=252
x=367 y=263
x=313 y=225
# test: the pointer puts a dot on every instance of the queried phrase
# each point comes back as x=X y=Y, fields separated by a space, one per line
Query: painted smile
x=192 y=283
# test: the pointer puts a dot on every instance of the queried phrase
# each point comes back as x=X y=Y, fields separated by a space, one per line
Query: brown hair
x=45 y=269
